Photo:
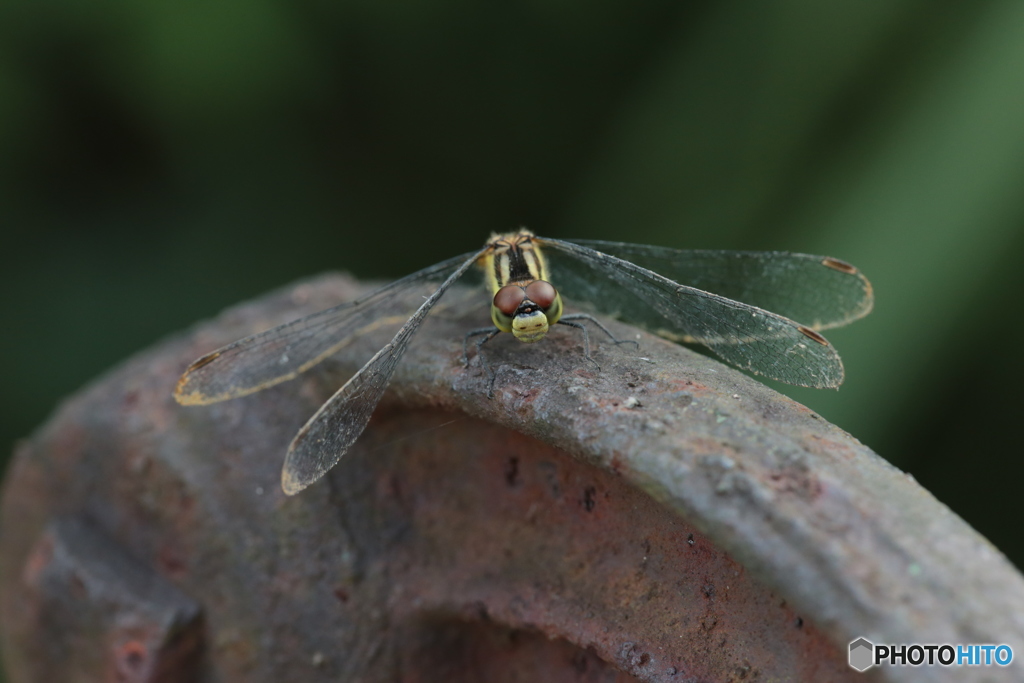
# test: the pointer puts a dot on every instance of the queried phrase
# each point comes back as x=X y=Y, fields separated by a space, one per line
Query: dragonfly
x=741 y=305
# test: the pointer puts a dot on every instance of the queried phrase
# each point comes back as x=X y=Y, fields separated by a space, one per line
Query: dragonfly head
x=526 y=310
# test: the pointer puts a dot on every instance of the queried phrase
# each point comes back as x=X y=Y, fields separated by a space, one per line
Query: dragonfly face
x=524 y=302
x=743 y=306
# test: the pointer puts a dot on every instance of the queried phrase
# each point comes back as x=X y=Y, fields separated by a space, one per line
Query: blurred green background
x=160 y=161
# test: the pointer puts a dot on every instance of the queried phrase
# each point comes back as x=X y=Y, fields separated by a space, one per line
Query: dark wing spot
x=808 y=332
x=205 y=360
x=836 y=264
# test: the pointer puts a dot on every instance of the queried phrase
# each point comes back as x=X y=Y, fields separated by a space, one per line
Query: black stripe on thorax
x=519 y=263
x=522 y=264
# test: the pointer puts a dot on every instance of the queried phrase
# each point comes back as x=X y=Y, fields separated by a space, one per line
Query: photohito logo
x=864 y=654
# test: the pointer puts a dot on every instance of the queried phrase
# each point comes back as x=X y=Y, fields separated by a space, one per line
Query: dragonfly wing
x=749 y=337
x=281 y=353
x=819 y=291
x=327 y=435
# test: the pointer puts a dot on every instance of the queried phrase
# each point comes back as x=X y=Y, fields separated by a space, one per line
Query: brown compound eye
x=508 y=298
x=541 y=293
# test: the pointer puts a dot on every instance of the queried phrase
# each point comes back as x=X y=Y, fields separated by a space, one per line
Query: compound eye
x=508 y=298
x=541 y=293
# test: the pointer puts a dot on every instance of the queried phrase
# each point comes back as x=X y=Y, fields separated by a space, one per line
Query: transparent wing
x=279 y=354
x=819 y=291
x=338 y=423
x=749 y=337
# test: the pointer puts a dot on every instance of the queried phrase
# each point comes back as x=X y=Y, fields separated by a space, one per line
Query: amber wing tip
x=290 y=484
x=186 y=396
x=191 y=397
x=182 y=395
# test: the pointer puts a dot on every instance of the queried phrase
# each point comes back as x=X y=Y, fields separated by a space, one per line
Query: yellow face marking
x=530 y=327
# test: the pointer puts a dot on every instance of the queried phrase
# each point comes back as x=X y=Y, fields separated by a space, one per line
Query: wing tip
x=192 y=397
x=867 y=304
x=185 y=396
x=291 y=484
x=293 y=479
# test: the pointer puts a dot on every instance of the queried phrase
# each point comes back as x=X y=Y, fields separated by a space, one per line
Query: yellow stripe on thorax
x=513 y=258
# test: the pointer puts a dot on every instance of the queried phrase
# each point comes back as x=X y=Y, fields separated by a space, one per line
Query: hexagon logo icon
x=862 y=654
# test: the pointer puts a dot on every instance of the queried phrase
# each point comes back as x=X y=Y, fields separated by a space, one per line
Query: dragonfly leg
x=475 y=333
x=584 y=316
x=493 y=332
x=586 y=339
